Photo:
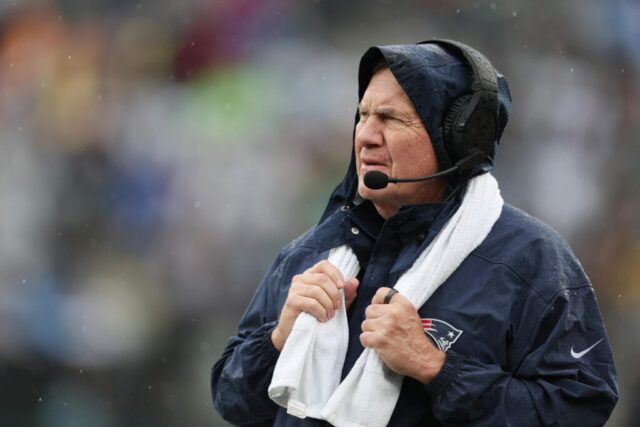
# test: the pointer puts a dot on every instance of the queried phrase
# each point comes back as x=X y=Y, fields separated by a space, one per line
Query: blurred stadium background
x=149 y=149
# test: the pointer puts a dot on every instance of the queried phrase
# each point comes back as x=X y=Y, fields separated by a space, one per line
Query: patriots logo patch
x=442 y=333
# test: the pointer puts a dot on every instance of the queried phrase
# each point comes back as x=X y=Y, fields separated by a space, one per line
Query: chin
x=369 y=194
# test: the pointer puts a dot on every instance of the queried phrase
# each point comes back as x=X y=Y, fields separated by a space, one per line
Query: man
x=511 y=334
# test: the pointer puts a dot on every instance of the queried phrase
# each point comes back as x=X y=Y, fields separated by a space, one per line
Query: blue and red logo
x=442 y=333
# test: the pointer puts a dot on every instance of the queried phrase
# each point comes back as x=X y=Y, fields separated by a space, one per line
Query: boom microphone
x=377 y=180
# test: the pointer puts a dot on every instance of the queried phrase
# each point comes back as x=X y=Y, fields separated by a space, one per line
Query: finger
x=389 y=296
x=350 y=291
x=374 y=311
x=368 y=339
x=318 y=294
x=311 y=306
x=371 y=325
x=378 y=298
x=324 y=282
x=330 y=270
x=320 y=280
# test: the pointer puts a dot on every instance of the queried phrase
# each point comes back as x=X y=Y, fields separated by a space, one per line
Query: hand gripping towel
x=306 y=379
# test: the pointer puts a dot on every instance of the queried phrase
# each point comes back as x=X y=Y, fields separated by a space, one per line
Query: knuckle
x=293 y=301
x=315 y=292
x=368 y=312
x=323 y=278
x=296 y=280
x=322 y=265
x=366 y=339
x=310 y=306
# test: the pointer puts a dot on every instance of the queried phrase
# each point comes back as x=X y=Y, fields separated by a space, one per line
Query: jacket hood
x=433 y=76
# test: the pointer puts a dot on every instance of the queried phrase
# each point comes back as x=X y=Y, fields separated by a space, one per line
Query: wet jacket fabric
x=518 y=319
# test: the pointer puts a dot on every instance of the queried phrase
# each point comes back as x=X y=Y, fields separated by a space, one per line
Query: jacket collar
x=415 y=223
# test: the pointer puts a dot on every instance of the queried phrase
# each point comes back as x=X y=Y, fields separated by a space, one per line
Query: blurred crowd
x=154 y=155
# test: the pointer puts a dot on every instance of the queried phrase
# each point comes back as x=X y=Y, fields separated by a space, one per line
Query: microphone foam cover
x=376 y=180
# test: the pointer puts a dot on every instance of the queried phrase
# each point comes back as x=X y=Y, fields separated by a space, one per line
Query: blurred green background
x=149 y=149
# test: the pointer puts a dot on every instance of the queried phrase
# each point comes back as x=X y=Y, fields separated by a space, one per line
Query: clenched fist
x=395 y=331
x=317 y=292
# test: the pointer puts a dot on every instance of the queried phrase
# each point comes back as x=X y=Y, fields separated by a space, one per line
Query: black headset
x=470 y=123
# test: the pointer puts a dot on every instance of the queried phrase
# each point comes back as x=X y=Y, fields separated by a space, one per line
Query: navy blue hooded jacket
x=518 y=319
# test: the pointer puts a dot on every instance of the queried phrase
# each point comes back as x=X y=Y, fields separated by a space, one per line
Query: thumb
x=350 y=291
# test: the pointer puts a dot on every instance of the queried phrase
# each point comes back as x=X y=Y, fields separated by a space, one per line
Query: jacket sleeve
x=240 y=379
x=561 y=374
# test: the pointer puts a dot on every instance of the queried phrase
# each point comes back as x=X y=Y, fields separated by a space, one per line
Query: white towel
x=306 y=378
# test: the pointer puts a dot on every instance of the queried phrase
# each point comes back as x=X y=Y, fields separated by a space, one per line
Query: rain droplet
x=514 y=14
x=572 y=69
x=619 y=295
x=492 y=6
x=24 y=281
x=69 y=57
x=39 y=399
x=622 y=70
x=457 y=10
x=149 y=387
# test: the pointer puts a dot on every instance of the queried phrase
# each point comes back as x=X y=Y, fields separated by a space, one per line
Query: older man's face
x=391 y=138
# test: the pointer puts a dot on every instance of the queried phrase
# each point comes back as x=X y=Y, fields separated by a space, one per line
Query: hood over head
x=433 y=76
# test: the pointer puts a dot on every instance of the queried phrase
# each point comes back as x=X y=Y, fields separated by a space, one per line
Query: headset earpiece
x=455 y=151
x=470 y=123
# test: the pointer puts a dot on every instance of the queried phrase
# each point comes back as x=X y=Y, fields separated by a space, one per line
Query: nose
x=369 y=132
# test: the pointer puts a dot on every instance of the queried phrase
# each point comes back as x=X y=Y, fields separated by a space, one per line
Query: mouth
x=372 y=164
